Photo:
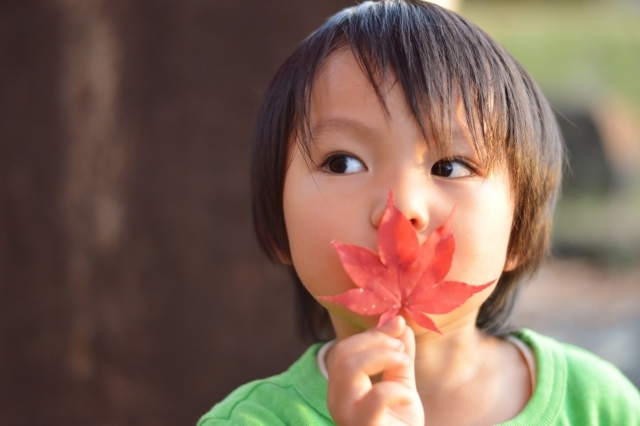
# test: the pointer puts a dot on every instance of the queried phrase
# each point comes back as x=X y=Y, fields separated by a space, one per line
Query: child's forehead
x=344 y=98
x=342 y=92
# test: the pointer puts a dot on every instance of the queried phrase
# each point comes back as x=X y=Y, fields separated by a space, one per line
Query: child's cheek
x=322 y=274
x=310 y=231
x=482 y=232
x=318 y=266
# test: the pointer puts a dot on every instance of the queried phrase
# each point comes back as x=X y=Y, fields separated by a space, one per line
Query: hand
x=354 y=399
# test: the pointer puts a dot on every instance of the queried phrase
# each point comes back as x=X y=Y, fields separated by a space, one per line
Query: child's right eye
x=342 y=164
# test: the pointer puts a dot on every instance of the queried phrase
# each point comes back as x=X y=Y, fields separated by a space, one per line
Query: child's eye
x=451 y=168
x=343 y=164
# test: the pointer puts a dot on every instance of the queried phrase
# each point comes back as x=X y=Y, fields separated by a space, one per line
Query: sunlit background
x=131 y=287
x=586 y=57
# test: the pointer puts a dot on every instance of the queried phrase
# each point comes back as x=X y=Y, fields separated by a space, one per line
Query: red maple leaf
x=404 y=276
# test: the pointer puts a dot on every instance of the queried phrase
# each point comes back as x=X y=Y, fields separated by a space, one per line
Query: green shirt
x=573 y=387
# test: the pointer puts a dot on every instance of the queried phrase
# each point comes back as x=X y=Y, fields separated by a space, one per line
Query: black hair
x=439 y=59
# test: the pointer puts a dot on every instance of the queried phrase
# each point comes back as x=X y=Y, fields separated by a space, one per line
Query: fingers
x=371 y=352
x=394 y=327
x=382 y=395
x=406 y=373
x=390 y=350
x=355 y=359
x=372 y=361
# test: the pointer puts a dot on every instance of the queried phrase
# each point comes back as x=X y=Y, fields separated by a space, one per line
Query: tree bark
x=131 y=287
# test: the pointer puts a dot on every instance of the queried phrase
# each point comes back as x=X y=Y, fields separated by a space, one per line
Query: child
x=402 y=95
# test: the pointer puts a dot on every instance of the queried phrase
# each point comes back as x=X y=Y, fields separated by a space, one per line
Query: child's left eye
x=451 y=168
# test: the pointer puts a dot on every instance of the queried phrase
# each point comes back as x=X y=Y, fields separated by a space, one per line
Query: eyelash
x=326 y=163
x=467 y=164
x=335 y=156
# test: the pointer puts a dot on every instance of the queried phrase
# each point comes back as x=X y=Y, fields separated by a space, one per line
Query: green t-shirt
x=573 y=387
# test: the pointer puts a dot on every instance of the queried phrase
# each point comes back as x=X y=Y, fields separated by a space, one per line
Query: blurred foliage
x=575 y=50
x=605 y=230
x=530 y=1
x=580 y=53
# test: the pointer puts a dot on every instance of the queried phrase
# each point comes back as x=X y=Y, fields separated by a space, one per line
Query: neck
x=445 y=361
x=452 y=359
x=464 y=367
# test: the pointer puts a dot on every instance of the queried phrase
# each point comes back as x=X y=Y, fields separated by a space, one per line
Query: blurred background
x=586 y=57
x=131 y=287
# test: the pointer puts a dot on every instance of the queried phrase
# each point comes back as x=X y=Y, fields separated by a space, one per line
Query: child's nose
x=414 y=208
x=411 y=202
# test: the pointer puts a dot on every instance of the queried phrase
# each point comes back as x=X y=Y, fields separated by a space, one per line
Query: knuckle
x=381 y=338
x=376 y=396
x=377 y=334
x=350 y=364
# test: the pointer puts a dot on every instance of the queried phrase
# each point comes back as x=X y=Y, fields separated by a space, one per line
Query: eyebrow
x=329 y=124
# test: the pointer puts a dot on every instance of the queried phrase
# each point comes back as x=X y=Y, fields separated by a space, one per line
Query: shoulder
x=591 y=390
x=293 y=397
x=254 y=403
x=598 y=379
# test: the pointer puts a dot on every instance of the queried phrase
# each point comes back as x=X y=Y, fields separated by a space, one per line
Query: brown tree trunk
x=131 y=288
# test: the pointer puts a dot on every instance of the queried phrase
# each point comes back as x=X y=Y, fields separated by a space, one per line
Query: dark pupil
x=442 y=168
x=338 y=165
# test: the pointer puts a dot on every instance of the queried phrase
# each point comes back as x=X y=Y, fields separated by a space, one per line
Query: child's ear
x=511 y=263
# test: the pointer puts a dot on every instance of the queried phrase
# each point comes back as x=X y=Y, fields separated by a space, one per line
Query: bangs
x=443 y=64
x=439 y=60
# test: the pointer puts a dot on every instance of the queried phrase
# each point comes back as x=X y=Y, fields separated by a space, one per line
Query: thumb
x=406 y=373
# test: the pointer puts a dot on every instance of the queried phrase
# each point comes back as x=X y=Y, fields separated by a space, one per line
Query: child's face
x=358 y=154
